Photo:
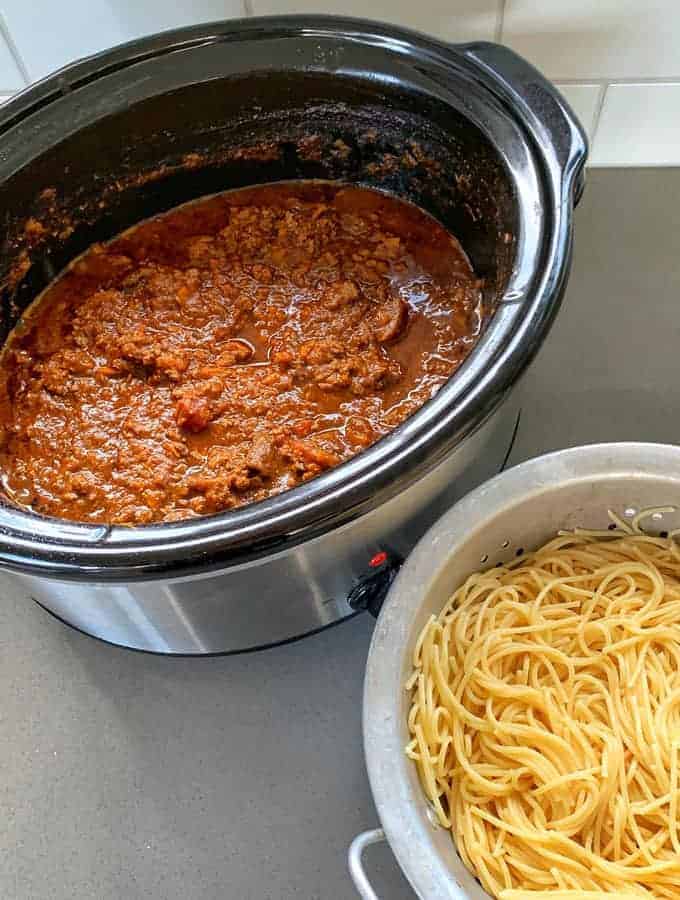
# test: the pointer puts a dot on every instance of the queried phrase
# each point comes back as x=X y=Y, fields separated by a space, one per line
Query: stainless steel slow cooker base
x=293 y=594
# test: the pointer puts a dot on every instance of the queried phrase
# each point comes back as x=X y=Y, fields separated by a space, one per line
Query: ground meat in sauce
x=229 y=350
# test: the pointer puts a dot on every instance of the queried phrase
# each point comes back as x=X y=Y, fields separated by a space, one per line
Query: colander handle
x=356 y=865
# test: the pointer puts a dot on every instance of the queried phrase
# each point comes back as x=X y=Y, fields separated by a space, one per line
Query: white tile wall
x=617 y=61
x=585 y=100
x=50 y=33
x=587 y=39
x=11 y=77
x=639 y=126
x=460 y=20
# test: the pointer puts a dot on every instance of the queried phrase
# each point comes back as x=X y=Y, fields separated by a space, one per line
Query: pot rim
x=400 y=802
x=555 y=150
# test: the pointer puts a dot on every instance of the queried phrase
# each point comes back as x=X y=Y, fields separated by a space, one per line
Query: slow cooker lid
x=542 y=149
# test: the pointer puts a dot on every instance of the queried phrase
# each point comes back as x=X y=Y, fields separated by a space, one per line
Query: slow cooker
x=471 y=133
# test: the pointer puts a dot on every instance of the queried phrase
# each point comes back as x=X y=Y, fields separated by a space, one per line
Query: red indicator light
x=378 y=559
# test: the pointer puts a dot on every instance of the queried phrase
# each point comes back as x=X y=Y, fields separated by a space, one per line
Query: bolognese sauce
x=228 y=350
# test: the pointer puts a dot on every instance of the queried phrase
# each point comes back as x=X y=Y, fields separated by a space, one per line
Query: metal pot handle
x=543 y=109
x=356 y=866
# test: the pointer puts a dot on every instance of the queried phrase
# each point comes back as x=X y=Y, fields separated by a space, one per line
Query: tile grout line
x=605 y=82
x=632 y=165
x=597 y=117
x=500 y=18
x=14 y=50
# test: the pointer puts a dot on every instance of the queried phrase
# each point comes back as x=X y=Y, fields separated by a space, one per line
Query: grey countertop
x=125 y=776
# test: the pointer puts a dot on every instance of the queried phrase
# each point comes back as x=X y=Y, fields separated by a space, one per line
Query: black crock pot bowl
x=470 y=132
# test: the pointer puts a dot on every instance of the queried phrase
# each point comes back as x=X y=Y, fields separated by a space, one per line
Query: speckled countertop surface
x=126 y=776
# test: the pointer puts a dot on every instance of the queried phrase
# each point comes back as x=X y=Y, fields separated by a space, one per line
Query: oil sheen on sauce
x=228 y=350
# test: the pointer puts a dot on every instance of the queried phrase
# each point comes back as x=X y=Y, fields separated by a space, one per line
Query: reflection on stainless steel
x=282 y=597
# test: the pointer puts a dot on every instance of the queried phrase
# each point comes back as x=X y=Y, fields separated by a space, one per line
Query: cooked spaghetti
x=545 y=719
